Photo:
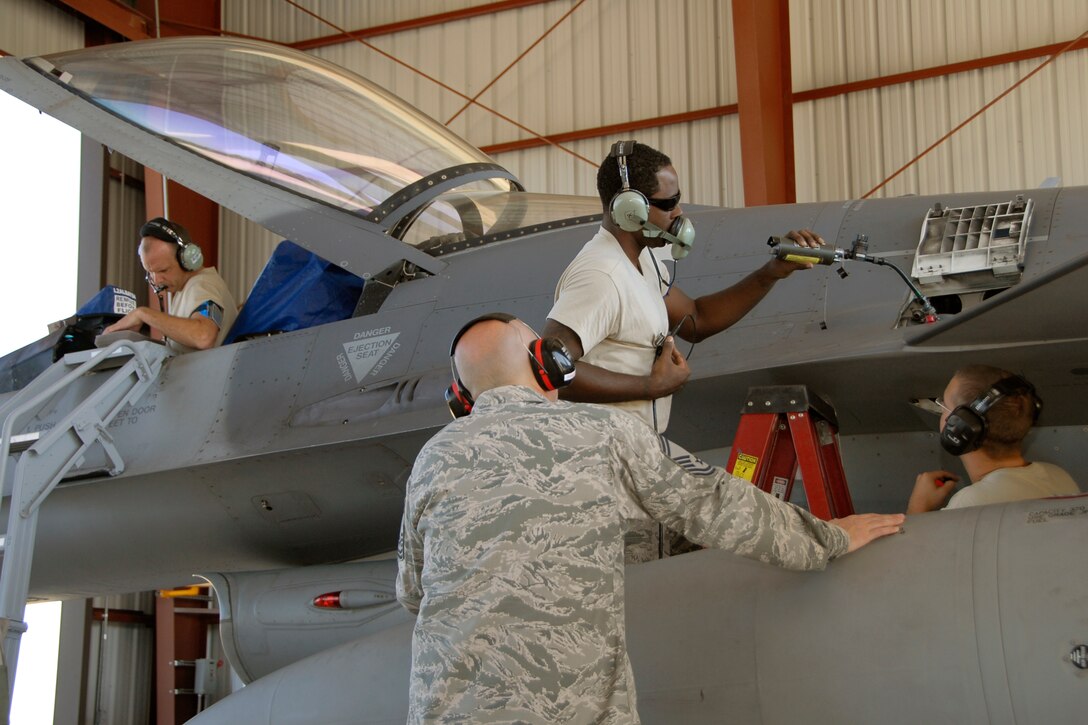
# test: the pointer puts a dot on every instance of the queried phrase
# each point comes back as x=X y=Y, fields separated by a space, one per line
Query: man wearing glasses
x=615 y=305
x=201 y=308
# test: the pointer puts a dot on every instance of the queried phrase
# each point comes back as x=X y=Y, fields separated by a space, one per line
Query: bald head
x=493 y=353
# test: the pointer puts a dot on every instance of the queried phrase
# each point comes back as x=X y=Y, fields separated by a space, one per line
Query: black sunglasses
x=665 y=204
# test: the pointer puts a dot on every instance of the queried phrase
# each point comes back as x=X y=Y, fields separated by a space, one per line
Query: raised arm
x=712 y=313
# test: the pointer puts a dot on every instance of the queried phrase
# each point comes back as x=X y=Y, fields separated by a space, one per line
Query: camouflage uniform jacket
x=511 y=552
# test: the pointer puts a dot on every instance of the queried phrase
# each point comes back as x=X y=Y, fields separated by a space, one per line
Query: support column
x=761 y=38
x=75 y=633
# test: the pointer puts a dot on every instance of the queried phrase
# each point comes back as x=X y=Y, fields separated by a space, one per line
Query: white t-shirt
x=205 y=285
x=1035 y=480
x=618 y=313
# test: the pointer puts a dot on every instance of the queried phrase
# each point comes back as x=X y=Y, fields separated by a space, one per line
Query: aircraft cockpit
x=461 y=220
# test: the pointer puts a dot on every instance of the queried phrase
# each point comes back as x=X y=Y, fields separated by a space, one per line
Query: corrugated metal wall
x=119 y=664
x=847 y=145
x=614 y=61
x=33 y=27
x=126 y=213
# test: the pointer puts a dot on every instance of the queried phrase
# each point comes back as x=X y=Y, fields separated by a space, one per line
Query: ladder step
x=21 y=442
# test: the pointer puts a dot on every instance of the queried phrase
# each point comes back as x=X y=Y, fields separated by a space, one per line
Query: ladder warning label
x=745 y=467
x=778 y=488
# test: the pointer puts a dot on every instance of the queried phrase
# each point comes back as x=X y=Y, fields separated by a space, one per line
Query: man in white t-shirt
x=201 y=308
x=986 y=414
x=614 y=304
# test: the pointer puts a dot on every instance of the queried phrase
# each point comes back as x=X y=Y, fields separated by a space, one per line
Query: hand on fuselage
x=864 y=528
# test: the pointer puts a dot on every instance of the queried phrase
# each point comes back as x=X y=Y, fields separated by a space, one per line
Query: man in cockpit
x=511 y=544
x=201 y=308
x=615 y=304
x=986 y=413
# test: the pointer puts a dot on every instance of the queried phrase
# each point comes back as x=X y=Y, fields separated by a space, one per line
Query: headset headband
x=549 y=359
x=1009 y=386
x=164 y=230
x=500 y=316
x=620 y=151
x=188 y=254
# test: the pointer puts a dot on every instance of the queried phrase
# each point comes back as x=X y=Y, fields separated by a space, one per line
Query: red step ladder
x=781 y=427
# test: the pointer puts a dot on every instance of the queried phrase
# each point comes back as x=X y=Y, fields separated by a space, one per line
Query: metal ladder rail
x=51 y=458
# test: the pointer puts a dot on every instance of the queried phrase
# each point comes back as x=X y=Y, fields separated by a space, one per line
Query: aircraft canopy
x=280 y=115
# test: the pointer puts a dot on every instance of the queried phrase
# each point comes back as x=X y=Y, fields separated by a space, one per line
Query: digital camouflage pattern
x=511 y=552
x=647 y=540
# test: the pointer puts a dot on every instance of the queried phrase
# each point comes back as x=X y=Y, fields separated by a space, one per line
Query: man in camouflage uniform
x=511 y=546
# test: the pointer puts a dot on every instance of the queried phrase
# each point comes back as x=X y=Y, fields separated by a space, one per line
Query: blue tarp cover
x=297 y=289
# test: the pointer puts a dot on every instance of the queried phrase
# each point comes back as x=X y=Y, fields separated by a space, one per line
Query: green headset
x=189 y=255
x=630 y=209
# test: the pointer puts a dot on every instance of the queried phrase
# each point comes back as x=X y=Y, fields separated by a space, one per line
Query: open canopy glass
x=277 y=114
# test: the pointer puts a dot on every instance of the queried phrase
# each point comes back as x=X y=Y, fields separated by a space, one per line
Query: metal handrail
x=88 y=428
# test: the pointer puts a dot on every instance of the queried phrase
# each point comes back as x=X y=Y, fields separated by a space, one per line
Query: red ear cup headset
x=549 y=358
x=965 y=428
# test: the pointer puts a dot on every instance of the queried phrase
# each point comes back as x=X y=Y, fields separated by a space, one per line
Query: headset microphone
x=681 y=233
x=159 y=288
x=630 y=209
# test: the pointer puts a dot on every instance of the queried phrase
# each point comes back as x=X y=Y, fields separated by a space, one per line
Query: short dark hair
x=1009 y=419
x=165 y=230
x=643 y=163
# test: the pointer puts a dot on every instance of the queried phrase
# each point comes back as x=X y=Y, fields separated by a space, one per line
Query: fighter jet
x=271 y=462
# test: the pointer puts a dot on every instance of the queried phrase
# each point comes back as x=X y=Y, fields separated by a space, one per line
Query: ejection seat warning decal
x=745 y=467
x=368 y=352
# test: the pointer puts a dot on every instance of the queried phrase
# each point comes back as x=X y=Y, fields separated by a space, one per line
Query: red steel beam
x=208 y=30
x=413 y=23
x=761 y=42
x=123 y=616
x=935 y=72
x=614 y=129
x=810 y=95
x=117 y=16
